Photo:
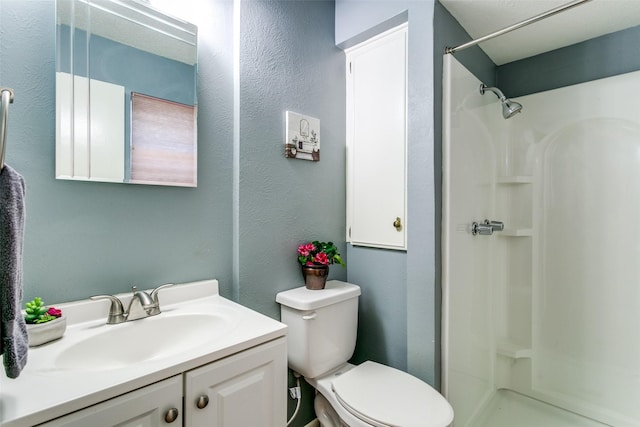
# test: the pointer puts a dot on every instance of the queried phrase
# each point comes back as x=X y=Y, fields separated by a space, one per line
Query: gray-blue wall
x=92 y=238
x=86 y=238
x=399 y=314
x=252 y=207
x=604 y=56
x=288 y=61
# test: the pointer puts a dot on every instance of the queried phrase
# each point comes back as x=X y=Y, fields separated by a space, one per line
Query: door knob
x=171 y=415
x=397 y=224
x=202 y=401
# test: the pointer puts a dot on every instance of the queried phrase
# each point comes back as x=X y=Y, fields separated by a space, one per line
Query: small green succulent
x=38 y=313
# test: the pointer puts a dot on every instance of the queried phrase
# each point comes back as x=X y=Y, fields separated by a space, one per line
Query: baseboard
x=314 y=423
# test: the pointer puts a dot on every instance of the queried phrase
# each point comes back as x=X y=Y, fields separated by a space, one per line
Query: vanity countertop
x=51 y=385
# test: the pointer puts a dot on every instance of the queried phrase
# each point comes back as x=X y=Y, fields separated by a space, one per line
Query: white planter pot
x=40 y=333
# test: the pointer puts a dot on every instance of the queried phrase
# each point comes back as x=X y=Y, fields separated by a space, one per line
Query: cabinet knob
x=171 y=415
x=397 y=224
x=202 y=401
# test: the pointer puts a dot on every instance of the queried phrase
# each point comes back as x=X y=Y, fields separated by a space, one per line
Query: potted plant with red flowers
x=315 y=258
x=44 y=324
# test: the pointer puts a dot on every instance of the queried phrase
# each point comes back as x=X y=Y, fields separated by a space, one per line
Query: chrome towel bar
x=7 y=98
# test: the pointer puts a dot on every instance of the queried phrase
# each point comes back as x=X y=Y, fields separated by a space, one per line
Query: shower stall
x=541 y=314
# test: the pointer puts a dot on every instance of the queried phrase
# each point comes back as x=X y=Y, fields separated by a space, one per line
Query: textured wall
x=288 y=61
x=87 y=238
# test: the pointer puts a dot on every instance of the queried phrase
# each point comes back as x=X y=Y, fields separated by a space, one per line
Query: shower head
x=509 y=107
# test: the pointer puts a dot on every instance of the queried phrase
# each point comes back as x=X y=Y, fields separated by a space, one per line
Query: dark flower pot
x=315 y=276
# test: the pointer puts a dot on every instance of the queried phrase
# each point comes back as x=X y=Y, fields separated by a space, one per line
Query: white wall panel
x=551 y=307
x=469 y=189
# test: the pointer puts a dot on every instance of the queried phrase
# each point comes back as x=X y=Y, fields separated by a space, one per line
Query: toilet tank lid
x=306 y=299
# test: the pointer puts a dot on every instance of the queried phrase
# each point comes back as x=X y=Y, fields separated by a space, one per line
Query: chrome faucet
x=141 y=305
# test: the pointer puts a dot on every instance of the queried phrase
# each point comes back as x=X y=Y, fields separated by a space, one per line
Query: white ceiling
x=591 y=19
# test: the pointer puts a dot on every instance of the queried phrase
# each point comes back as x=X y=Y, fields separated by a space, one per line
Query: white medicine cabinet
x=377 y=141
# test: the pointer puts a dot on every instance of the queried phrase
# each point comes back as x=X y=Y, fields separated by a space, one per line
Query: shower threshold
x=510 y=409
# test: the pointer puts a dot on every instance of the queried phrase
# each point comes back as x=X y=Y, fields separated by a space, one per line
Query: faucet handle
x=154 y=293
x=116 y=311
x=156 y=301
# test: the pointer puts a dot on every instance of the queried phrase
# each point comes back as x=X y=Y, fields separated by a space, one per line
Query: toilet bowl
x=371 y=394
x=321 y=339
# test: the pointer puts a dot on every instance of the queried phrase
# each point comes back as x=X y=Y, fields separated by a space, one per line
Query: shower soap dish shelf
x=517 y=232
x=515 y=179
x=514 y=351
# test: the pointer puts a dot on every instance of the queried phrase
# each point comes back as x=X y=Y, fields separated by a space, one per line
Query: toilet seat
x=384 y=397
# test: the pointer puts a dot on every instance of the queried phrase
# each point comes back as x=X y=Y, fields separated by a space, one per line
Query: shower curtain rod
x=516 y=26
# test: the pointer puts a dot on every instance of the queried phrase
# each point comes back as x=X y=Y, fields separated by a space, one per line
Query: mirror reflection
x=126 y=107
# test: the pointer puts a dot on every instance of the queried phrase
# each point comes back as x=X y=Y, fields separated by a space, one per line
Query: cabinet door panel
x=246 y=389
x=376 y=141
x=145 y=407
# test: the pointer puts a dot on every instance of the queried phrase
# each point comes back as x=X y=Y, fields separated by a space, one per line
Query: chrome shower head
x=509 y=107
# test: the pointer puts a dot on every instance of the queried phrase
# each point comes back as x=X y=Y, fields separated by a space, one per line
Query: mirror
x=126 y=107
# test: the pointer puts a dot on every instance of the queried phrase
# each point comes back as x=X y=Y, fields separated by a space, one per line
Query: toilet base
x=327 y=416
x=323 y=389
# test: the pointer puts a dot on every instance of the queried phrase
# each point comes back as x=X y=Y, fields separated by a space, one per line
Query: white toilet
x=321 y=339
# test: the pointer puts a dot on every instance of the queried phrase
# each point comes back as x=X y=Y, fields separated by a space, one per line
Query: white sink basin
x=143 y=340
x=94 y=362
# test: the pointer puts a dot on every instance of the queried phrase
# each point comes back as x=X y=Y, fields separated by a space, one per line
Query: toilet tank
x=322 y=326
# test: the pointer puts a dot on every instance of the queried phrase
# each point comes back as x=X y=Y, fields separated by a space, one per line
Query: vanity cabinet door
x=245 y=389
x=151 y=406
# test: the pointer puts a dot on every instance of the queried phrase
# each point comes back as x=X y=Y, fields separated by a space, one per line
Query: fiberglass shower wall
x=550 y=307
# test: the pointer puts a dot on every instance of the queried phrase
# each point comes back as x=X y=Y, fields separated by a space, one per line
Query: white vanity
x=227 y=363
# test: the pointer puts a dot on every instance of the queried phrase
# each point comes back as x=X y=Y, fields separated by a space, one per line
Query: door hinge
x=350 y=69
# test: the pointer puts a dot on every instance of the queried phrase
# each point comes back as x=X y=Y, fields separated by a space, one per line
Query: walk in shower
x=541 y=316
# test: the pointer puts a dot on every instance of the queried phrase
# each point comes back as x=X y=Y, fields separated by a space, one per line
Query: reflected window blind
x=163 y=141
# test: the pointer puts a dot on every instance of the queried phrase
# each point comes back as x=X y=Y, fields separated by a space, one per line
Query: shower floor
x=510 y=409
